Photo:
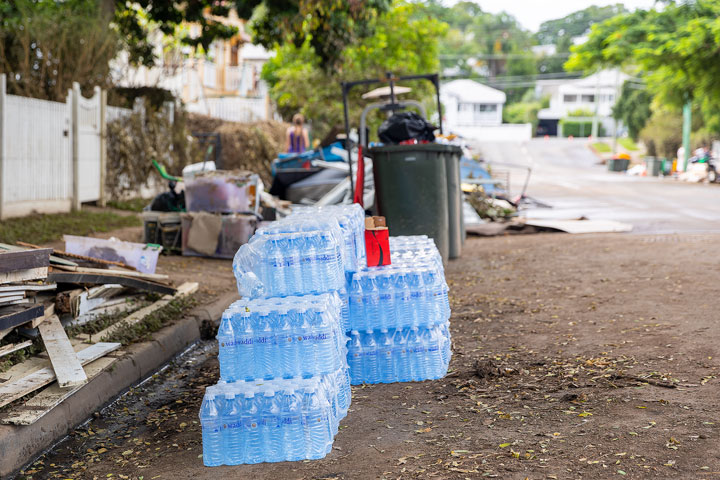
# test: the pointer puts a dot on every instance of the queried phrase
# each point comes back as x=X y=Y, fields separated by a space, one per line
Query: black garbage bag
x=406 y=126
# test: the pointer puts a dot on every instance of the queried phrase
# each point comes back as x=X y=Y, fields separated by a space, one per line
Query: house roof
x=470 y=91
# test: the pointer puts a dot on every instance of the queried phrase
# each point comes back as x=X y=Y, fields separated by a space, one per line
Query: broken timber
x=15 y=315
x=110 y=277
x=23 y=275
x=68 y=370
x=136 y=317
x=42 y=403
x=12 y=390
x=13 y=347
x=11 y=261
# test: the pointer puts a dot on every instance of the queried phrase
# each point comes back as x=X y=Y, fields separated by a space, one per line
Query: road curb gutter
x=21 y=444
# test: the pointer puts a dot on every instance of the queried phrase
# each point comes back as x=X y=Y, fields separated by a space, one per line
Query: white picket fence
x=52 y=154
x=233 y=109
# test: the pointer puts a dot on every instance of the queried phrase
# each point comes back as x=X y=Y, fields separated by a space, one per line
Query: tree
x=560 y=32
x=633 y=108
x=675 y=49
x=329 y=25
x=46 y=45
x=403 y=42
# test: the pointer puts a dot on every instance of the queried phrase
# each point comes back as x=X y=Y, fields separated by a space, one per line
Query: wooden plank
x=42 y=403
x=11 y=261
x=103 y=271
x=12 y=316
x=80 y=257
x=68 y=370
x=28 y=287
x=49 y=311
x=13 y=347
x=97 y=279
x=18 y=301
x=136 y=317
x=53 y=259
x=14 y=389
x=9 y=297
x=23 y=275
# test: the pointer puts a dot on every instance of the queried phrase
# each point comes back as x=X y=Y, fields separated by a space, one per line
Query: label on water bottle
x=264 y=340
x=233 y=425
x=433 y=349
x=244 y=341
x=419 y=350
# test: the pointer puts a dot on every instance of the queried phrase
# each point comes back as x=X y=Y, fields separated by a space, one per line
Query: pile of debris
x=43 y=292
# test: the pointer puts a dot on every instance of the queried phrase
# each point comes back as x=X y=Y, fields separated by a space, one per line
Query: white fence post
x=3 y=83
x=75 y=146
x=103 y=146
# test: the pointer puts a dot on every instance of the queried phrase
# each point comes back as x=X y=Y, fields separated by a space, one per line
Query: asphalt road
x=566 y=175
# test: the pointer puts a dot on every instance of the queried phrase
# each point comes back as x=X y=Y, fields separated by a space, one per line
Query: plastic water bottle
x=387 y=317
x=386 y=368
x=403 y=305
x=288 y=359
x=417 y=354
x=316 y=429
x=307 y=346
x=232 y=431
x=370 y=299
x=308 y=263
x=275 y=280
x=430 y=368
x=370 y=361
x=264 y=361
x=227 y=353
x=357 y=305
x=270 y=426
x=323 y=339
x=418 y=306
x=355 y=359
x=446 y=346
x=293 y=440
x=251 y=428
x=212 y=431
x=401 y=356
x=293 y=261
x=244 y=355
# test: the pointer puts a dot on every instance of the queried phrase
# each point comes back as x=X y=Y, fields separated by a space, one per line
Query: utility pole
x=597 y=101
x=615 y=122
x=687 y=121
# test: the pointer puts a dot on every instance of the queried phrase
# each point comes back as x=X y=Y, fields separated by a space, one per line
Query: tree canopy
x=329 y=26
x=404 y=42
x=674 y=49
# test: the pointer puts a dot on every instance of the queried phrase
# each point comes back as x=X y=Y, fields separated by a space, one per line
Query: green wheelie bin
x=418 y=191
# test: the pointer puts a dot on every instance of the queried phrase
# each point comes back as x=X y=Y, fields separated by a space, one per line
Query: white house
x=474 y=111
x=595 y=91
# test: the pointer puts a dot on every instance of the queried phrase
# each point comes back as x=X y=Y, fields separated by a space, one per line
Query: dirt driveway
x=574 y=357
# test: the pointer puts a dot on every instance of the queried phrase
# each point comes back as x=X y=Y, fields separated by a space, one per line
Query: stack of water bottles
x=272 y=421
x=399 y=316
x=284 y=382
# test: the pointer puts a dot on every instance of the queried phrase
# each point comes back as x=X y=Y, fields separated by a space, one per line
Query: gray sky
x=531 y=13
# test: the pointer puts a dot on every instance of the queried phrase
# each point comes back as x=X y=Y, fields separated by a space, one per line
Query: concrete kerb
x=19 y=445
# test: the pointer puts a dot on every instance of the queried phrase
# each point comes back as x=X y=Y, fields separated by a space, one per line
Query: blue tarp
x=299 y=160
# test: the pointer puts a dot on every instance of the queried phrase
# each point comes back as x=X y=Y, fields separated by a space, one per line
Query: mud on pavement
x=574 y=357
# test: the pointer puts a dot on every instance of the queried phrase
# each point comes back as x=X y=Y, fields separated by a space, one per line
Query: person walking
x=297 y=135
